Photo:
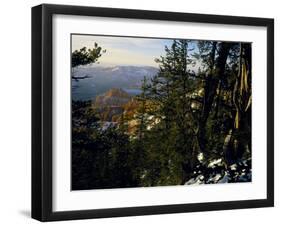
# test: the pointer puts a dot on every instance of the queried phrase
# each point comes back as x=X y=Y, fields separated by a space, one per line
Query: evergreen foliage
x=181 y=114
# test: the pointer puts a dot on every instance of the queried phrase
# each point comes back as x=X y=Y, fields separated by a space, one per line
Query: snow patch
x=196 y=181
x=214 y=163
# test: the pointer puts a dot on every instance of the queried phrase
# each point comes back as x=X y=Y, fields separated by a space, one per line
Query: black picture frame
x=42 y=111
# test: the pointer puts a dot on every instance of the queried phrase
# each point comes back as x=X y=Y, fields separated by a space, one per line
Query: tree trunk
x=210 y=88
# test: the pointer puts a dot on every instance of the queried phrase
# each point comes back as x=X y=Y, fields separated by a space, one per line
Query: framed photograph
x=145 y=112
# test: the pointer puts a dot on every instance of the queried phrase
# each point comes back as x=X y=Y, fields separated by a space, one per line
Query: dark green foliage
x=100 y=159
x=180 y=114
x=86 y=56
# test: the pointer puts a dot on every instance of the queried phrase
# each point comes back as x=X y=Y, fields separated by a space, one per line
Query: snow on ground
x=216 y=173
x=215 y=162
x=196 y=181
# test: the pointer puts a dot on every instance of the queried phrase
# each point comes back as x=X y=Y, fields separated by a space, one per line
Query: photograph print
x=152 y=112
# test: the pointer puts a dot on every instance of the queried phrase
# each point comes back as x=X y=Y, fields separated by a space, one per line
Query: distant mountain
x=112 y=98
x=110 y=105
x=98 y=79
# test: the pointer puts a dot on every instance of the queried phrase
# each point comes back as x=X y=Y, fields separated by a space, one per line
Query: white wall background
x=15 y=111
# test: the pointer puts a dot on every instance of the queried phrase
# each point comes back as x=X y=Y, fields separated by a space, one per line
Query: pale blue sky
x=123 y=50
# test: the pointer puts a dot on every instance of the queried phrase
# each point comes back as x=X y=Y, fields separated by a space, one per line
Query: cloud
x=123 y=50
x=121 y=56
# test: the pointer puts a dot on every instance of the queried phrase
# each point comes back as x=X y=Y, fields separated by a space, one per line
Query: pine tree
x=169 y=95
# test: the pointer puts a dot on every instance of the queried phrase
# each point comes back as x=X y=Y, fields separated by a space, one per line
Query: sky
x=124 y=50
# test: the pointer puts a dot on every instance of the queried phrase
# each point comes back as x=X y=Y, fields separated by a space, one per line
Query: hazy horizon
x=131 y=51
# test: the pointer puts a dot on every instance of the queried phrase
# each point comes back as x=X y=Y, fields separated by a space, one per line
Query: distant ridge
x=115 y=97
x=101 y=79
x=117 y=92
